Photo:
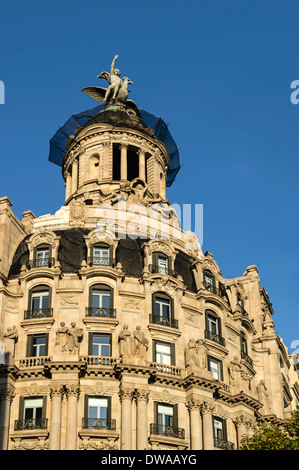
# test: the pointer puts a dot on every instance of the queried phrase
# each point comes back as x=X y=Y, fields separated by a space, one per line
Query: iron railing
x=41 y=263
x=165 y=321
x=100 y=312
x=221 y=443
x=168 y=431
x=214 y=337
x=30 y=424
x=38 y=313
x=156 y=269
x=99 y=423
x=101 y=261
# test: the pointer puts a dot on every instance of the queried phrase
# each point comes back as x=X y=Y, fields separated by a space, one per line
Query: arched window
x=213 y=327
x=39 y=303
x=161 y=264
x=42 y=256
x=101 y=301
x=209 y=281
x=162 y=310
x=101 y=255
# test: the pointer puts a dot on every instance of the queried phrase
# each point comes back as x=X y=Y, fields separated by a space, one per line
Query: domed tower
x=117 y=332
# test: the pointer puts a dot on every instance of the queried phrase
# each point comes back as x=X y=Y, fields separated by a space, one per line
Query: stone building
x=117 y=335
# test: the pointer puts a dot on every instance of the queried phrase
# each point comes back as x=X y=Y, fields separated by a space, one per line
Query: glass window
x=42 y=256
x=101 y=301
x=101 y=256
x=215 y=368
x=209 y=281
x=33 y=408
x=98 y=408
x=39 y=345
x=212 y=324
x=162 y=307
x=218 y=428
x=163 y=353
x=101 y=345
x=162 y=265
x=39 y=301
x=165 y=415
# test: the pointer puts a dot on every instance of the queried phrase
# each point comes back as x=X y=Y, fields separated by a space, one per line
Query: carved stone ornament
x=67 y=339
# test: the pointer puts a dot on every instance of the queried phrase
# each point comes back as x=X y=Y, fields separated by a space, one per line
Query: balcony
x=166 y=369
x=99 y=423
x=214 y=337
x=223 y=444
x=37 y=361
x=38 y=313
x=167 y=431
x=156 y=269
x=103 y=361
x=31 y=424
x=100 y=312
x=101 y=261
x=211 y=288
x=246 y=358
x=41 y=263
x=164 y=321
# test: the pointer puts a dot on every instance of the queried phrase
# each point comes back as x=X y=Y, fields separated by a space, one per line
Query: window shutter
x=172 y=354
x=29 y=345
x=21 y=408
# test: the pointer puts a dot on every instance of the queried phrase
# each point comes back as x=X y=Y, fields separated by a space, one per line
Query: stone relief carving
x=69 y=300
x=107 y=444
x=140 y=343
x=196 y=354
x=135 y=344
x=67 y=339
x=9 y=340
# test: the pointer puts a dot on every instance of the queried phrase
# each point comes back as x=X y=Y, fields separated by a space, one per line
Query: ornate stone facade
x=118 y=342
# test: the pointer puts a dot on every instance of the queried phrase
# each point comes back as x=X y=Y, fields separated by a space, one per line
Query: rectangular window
x=162 y=265
x=212 y=325
x=98 y=411
x=101 y=302
x=39 y=301
x=163 y=353
x=162 y=308
x=215 y=366
x=42 y=257
x=165 y=415
x=218 y=426
x=101 y=345
x=39 y=345
x=33 y=408
x=101 y=256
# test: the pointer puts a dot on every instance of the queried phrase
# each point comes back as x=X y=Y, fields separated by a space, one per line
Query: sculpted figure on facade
x=263 y=394
x=140 y=343
x=124 y=339
x=9 y=340
x=196 y=354
x=67 y=339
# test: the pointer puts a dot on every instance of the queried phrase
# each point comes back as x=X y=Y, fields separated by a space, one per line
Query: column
x=75 y=169
x=55 y=424
x=68 y=185
x=241 y=428
x=141 y=154
x=72 y=393
x=6 y=396
x=194 y=407
x=207 y=421
x=123 y=162
x=126 y=395
x=142 y=427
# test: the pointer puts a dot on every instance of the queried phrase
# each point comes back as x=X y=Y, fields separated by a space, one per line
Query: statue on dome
x=116 y=93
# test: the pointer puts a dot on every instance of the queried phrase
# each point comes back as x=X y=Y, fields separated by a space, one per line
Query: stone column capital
x=7 y=393
x=194 y=404
x=57 y=390
x=126 y=392
x=208 y=407
x=72 y=390
x=141 y=395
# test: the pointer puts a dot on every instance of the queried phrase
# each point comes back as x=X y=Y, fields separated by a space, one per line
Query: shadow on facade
x=5 y=396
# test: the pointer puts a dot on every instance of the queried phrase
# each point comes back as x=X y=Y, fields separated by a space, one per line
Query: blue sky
x=219 y=72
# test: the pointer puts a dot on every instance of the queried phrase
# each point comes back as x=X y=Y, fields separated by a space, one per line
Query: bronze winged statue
x=116 y=93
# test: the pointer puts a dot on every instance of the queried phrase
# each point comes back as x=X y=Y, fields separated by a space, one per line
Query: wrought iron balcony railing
x=214 y=337
x=168 y=431
x=223 y=444
x=99 y=423
x=31 y=424
x=100 y=312
x=41 y=263
x=156 y=269
x=211 y=288
x=38 y=313
x=165 y=321
x=101 y=261
x=248 y=359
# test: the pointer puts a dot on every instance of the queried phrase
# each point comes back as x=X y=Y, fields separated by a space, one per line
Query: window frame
x=90 y=343
x=172 y=352
x=219 y=368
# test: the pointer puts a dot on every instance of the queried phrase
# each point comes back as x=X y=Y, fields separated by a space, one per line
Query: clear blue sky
x=218 y=71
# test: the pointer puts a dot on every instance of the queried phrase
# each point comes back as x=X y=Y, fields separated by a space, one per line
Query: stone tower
x=117 y=332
